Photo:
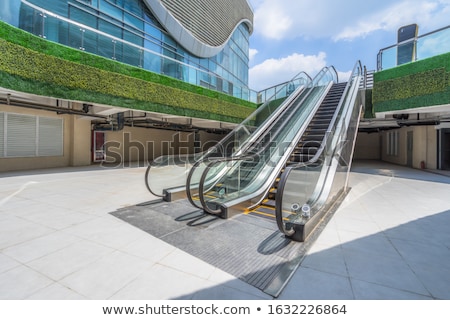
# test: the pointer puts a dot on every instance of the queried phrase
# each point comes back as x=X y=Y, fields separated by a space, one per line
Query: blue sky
x=305 y=35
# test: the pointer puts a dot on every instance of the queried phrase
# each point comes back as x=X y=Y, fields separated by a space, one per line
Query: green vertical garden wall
x=33 y=65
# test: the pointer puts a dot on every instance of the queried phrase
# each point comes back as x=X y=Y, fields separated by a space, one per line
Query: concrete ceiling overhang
x=431 y=115
x=440 y=110
x=101 y=112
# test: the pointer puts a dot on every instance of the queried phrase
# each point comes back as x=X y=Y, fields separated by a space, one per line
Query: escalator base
x=248 y=247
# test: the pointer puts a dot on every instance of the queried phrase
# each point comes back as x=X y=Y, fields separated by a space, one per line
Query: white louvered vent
x=20 y=135
x=30 y=136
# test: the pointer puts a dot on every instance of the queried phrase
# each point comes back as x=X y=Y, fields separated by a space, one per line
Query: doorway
x=409 y=148
x=98 y=146
x=444 y=148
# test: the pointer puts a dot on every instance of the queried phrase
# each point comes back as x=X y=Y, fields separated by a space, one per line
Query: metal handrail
x=257 y=133
x=244 y=157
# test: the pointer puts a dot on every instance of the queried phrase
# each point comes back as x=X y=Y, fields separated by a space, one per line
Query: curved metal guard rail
x=256 y=166
x=168 y=172
x=307 y=188
x=245 y=135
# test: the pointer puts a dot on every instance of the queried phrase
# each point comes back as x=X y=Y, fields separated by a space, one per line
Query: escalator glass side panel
x=245 y=179
x=172 y=172
x=166 y=172
x=241 y=138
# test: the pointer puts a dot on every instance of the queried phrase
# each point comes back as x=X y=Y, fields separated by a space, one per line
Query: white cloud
x=275 y=71
x=288 y=19
x=272 y=20
x=344 y=76
x=252 y=53
x=391 y=18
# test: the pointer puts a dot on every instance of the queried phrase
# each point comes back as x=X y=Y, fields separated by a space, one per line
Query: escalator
x=307 y=147
x=229 y=185
x=299 y=171
x=233 y=181
x=165 y=177
x=309 y=190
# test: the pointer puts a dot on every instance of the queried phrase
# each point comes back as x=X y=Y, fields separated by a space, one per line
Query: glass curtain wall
x=127 y=31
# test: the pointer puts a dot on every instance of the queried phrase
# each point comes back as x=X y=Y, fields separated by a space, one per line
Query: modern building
x=140 y=74
x=201 y=42
x=115 y=81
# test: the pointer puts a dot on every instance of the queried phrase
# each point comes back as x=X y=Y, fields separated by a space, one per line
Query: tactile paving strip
x=248 y=247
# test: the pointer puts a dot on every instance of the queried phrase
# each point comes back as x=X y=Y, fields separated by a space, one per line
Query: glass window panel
x=152 y=46
x=110 y=9
x=152 y=32
x=83 y=17
x=133 y=37
x=109 y=28
x=133 y=6
x=133 y=20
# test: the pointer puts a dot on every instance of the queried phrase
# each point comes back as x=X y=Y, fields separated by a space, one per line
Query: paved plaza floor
x=389 y=239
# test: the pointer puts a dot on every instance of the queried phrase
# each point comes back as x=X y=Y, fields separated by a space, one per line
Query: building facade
x=102 y=115
x=201 y=42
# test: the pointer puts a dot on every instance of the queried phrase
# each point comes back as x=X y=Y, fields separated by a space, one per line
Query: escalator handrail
x=267 y=123
x=202 y=155
x=273 y=97
x=248 y=147
x=246 y=156
x=319 y=153
x=152 y=165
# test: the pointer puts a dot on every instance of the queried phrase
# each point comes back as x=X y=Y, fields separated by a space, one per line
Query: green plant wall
x=418 y=84
x=34 y=65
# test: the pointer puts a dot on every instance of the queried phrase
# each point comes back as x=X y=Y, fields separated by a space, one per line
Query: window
x=30 y=136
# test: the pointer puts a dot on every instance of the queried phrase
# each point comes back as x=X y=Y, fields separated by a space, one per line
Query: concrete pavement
x=388 y=240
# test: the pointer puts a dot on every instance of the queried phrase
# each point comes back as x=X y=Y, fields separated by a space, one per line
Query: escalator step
x=269 y=203
x=265 y=210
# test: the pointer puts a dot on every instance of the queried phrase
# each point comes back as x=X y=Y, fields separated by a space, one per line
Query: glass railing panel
x=281 y=90
x=246 y=177
x=167 y=172
x=241 y=139
x=433 y=44
x=422 y=47
x=193 y=180
x=297 y=191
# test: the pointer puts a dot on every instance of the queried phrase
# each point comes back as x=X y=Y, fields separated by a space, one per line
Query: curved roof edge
x=201 y=31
